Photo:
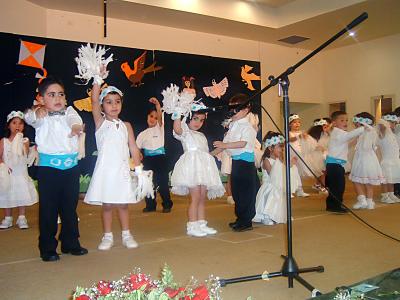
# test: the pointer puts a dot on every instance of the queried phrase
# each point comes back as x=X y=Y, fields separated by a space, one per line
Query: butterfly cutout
x=217 y=89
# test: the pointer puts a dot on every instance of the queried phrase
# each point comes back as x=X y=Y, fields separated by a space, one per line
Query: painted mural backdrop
x=139 y=73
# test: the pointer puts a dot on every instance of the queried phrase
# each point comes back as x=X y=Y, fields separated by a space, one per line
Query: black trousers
x=58 y=195
x=335 y=182
x=158 y=164
x=245 y=185
x=397 y=189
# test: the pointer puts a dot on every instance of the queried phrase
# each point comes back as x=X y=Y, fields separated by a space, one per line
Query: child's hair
x=316 y=130
x=7 y=131
x=190 y=79
x=328 y=120
x=240 y=99
x=365 y=115
x=337 y=114
x=267 y=151
x=195 y=113
x=397 y=111
x=46 y=82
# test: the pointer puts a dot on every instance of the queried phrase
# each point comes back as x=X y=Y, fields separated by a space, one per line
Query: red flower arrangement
x=140 y=286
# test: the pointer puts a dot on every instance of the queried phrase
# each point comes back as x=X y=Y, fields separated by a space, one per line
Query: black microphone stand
x=290 y=268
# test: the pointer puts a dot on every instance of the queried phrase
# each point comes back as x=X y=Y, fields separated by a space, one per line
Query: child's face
x=326 y=127
x=295 y=125
x=240 y=114
x=112 y=105
x=16 y=125
x=152 y=119
x=54 y=98
x=392 y=125
x=341 y=122
x=197 y=121
x=276 y=150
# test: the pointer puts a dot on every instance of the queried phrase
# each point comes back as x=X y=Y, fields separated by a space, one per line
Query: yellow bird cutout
x=248 y=77
x=86 y=103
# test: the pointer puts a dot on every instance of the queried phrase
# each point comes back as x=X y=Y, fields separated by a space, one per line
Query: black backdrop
x=18 y=85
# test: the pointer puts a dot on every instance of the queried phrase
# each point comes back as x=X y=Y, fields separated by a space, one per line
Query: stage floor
x=349 y=250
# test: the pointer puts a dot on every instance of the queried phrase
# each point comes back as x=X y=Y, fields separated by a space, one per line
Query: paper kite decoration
x=248 y=77
x=136 y=74
x=32 y=55
x=217 y=90
x=86 y=103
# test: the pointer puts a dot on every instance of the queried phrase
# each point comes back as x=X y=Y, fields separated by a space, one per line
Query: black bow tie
x=56 y=113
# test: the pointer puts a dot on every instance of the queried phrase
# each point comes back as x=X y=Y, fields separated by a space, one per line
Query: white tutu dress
x=111 y=181
x=20 y=190
x=390 y=162
x=271 y=197
x=196 y=166
x=365 y=168
x=313 y=156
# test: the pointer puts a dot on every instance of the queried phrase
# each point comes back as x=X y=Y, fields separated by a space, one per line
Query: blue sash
x=159 y=151
x=58 y=161
x=246 y=156
x=333 y=160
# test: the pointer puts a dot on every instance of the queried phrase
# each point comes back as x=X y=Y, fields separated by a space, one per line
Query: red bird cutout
x=136 y=75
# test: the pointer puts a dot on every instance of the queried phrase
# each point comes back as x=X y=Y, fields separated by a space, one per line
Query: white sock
x=125 y=233
x=108 y=235
x=384 y=194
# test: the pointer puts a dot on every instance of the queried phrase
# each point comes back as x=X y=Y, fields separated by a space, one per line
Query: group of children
x=321 y=152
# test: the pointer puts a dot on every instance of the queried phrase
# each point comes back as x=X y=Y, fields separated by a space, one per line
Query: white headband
x=362 y=120
x=390 y=118
x=275 y=140
x=108 y=90
x=197 y=105
x=15 y=114
x=293 y=117
x=320 y=122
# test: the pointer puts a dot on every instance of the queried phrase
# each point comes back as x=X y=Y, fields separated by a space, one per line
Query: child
x=239 y=142
x=336 y=159
x=195 y=172
x=111 y=185
x=13 y=154
x=365 y=169
x=295 y=137
x=151 y=141
x=390 y=157
x=271 y=201
x=57 y=130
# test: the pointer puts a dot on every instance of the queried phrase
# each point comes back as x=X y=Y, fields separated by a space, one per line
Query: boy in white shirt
x=57 y=129
x=240 y=142
x=338 y=149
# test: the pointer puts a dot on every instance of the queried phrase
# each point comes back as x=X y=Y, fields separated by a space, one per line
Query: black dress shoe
x=232 y=224
x=166 y=210
x=146 y=210
x=241 y=228
x=339 y=210
x=77 y=251
x=51 y=256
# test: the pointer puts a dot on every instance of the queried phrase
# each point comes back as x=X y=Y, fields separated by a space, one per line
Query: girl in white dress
x=390 y=161
x=365 y=170
x=295 y=137
x=112 y=185
x=271 y=199
x=16 y=187
x=196 y=173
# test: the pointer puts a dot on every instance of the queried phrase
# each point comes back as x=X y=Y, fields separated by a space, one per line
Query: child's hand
x=155 y=101
x=76 y=130
x=41 y=112
x=304 y=135
x=219 y=144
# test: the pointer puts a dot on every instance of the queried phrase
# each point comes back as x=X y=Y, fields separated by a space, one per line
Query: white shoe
x=393 y=197
x=6 y=223
x=106 y=243
x=370 y=204
x=267 y=221
x=386 y=199
x=203 y=227
x=361 y=202
x=193 y=229
x=22 y=222
x=58 y=220
x=230 y=200
x=301 y=193
x=129 y=242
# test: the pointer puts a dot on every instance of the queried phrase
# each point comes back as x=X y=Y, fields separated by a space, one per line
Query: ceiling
x=260 y=20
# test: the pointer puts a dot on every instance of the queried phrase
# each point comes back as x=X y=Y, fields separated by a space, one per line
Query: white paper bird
x=176 y=103
x=217 y=90
x=89 y=63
